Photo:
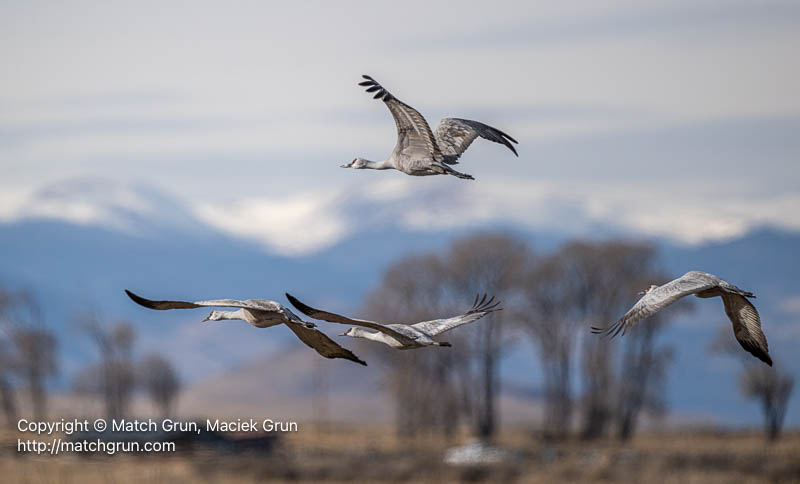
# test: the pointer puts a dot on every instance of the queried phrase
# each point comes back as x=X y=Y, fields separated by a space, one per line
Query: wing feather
x=478 y=310
x=414 y=135
x=321 y=343
x=259 y=304
x=455 y=135
x=336 y=318
x=659 y=298
x=747 y=326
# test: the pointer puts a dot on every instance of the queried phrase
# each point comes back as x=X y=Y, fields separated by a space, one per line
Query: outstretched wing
x=478 y=310
x=659 y=298
x=414 y=135
x=454 y=135
x=259 y=304
x=320 y=342
x=747 y=326
x=335 y=318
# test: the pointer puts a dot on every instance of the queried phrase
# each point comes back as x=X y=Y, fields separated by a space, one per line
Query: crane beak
x=343 y=334
x=641 y=293
x=345 y=166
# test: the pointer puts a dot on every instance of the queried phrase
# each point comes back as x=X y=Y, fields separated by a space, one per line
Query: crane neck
x=362 y=333
x=379 y=165
x=237 y=314
x=379 y=337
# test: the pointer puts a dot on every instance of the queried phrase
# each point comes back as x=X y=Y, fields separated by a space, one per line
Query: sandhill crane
x=261 y=313
x=743 y=315
x=420 y=151
x=402 y=336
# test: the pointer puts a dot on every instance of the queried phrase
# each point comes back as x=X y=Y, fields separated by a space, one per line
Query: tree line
x=591 y=385
x=29 y=361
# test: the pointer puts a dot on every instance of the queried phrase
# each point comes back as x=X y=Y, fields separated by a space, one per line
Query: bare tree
x=115 y=372
x=491 y=263
x=120 y=369
x=36 y=361
x=547 y=317
x=441 y=389
x=419 y=381
x=34 y=356
x=7 y=397
x=553 y=298
x=160 y=380
x=607 y=277
x=581 y=284
x=642 y=380
x=319 y=394
x=770 y=386
x=89 y=380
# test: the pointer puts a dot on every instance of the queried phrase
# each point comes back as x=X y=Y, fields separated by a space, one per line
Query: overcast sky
x=673 y=119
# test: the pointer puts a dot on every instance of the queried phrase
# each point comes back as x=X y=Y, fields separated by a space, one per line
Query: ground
x=375 y=454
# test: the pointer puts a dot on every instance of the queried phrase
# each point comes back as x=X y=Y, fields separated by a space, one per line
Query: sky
x=673 y=119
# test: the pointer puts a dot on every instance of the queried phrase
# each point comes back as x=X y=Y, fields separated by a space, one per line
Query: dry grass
x=374 y=454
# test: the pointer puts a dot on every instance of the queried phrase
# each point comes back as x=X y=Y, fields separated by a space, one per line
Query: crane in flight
x=402 y=336
x=420 y=151
x=743 y=315
x=261 y=313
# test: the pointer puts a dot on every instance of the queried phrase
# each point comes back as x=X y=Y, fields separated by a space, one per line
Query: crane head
x=214 y=316
x=649 y=288
x=357 y=163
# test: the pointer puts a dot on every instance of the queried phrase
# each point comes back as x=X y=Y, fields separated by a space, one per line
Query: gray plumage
x=261 y=313
x=742 y=314
x=402 y=336
x=420 y=151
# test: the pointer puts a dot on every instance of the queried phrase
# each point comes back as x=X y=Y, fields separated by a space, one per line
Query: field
x=374 y=454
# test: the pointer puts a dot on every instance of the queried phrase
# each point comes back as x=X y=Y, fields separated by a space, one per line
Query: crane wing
x=478 y=310
x=659 y=298
x=335 y=318
x=414 y=135
x=454 y=135
x=321 y=343
x=747 y=326
x=259 y=304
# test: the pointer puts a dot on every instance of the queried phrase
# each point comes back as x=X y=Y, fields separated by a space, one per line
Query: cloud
x=293 y=225
x=82 y=202
x=311 y=221
x=132 y=208
x=306 y=221
x=694 y=217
